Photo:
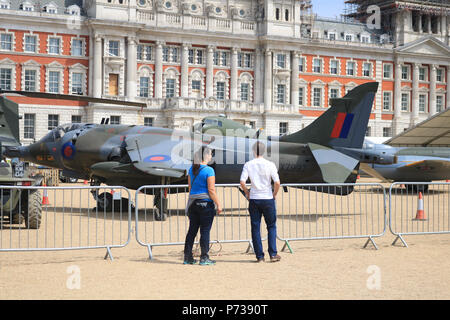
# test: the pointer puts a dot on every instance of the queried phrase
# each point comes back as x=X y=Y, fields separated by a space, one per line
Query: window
x=439 y=75
x=220 y=91
x=277 y=14
x=387 y=101
x=53 y=121
x=302 y=65
x=174 y=54
x=317 y=65
x=281 y=93
x=148 y=122
x=144 y=87
x=367 y=68
x=5 y=79
x=301 y=96
x=144 y=52
x=165 y=54
x=53 y=82
x=26 y=7
x=76 y=119
x=332 y=36
x=245 y=60
x=422 y=102
x=334 y=93
x=221 y=58
x=29 y=125
x=4 y=5
x=140 y=52
x=405 y=73
x=196 y=56
x=30 y=43
x=387 y=71
x=54 y=45
x=199 y=56
x=170 y=88
x=283 y=128
x=170 y=54
x=348 y=37
x=350 y=68
x=286 y=15
x=439 y=103
x=114 y=119
x=77 y=47
x=281 y=60
x=191 y=54
x=386 y=132
x=334 y=66
x=422 y=76
x=405 y=102
x=113 y=49
x=30 y=80
x=317 y=97
x=196 y=85
x=6 y=42
x=77 y=83
x=244 y=91
x=365 y=39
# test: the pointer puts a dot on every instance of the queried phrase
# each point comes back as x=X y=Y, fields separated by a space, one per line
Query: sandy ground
x=317 y=269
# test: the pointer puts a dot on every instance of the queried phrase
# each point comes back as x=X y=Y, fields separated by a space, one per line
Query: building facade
x=269 y=64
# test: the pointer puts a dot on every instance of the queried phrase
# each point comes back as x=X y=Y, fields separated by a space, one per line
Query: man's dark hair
x=259 y=148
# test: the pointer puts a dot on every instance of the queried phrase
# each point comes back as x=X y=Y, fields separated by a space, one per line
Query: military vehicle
x=133 y=156
x=20 y=205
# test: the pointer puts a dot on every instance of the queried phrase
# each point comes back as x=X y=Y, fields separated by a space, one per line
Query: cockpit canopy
x=59 y=132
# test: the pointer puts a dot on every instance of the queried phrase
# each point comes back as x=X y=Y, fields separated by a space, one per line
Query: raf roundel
x=157 y=158
x=68 y=151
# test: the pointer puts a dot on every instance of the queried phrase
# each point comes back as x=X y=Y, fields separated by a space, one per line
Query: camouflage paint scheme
x=133 y=156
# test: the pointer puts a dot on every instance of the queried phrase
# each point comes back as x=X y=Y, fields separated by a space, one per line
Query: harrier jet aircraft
x=133 y=156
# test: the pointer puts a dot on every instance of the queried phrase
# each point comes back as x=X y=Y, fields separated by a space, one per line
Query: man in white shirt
x=262 y=200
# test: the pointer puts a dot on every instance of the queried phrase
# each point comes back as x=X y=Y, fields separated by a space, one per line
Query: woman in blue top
x=200 y=207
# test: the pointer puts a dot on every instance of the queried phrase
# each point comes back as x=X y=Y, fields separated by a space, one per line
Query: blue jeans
x=201 y=216
x=257 y=209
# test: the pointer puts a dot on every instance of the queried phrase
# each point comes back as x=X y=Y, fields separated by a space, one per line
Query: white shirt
x=261 y=172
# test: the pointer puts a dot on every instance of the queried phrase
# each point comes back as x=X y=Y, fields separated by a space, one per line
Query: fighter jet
x=133 y=156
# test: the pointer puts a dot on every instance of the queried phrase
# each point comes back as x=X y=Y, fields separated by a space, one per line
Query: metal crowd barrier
x=153 y=229
x=64 y=218
x=303 y=213
x=418 y=209
x=340 y=211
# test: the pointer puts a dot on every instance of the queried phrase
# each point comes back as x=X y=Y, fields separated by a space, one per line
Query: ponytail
x=198 y=158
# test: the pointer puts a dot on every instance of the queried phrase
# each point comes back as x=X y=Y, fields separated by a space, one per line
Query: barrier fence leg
x=108 y=254
x=286 y=244
x=250 y=247
x=373 y=243
x=401 y=238
x=150 y=255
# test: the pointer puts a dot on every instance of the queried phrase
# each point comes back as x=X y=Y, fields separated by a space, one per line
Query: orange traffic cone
x=358 y=177
x=420 y=215
x=45 y=196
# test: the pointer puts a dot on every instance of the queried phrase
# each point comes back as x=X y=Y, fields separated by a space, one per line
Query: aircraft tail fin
x=9 y=123
x=344 y=124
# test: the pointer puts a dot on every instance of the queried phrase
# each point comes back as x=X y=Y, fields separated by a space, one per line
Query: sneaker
x=190 y=261
x=275 y=258
x=260 y=260
x=207 y=262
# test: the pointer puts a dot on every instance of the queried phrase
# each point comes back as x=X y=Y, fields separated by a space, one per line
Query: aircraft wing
x=160 y=155
x=371 y=171
x=433 y=132
x=426 y=165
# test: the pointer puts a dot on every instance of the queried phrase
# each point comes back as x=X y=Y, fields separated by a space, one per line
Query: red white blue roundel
x=68 y=151
x=157 y=158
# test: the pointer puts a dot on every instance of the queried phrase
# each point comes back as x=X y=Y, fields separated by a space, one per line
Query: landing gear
x=416 y=188
x=161 y=201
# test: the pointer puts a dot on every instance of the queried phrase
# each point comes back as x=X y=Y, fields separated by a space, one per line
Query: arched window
x=286 y=14
x=277 y=14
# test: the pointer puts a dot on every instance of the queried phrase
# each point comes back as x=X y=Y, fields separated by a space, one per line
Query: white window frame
x=370 y=70
x=245 y=60
x=387 y=100
x=172 y=74
x=354 y=70
x=9 y=85
x=197 y=75
x=9 y=64
x=365 y=38
x=352 y=37
x=320 y=65
x=151 y=120
x=32 y=65
x=334 y=34
x=390 y=71
x=302 y=97
x=408 y=72
x=147 y=53
x=442 y=98
x=245 y=78
x=4 y=4
x=145 y=71
x=60 y=46
x=285 y=129
x=280 y=97
x=220 y=94
x=280 y=61
x=302 y=64
x=26 y=124
x=338 y=64
x=36 y=44
x=114 y=122
x=83 y=70
x=441 y=71
x=425 y=102
x=406 y=108
x=12 y=43
x=54 y=67
x=111 y=48
x=83 y=47
x=27 y=6
x=313 y=97
x=50 y=122
x=222 y=76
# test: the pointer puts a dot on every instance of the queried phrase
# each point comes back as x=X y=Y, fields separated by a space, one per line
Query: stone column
x=448 y=88
x=158 y=70
x=294 y=78
x=268 y=80
x=429 y=23
x=415 y=94
x=397 y=98
x=98 y=63
x=420 y=23
x=432 y=89
x=234 y=74
x=131 y=68
x=185 y=70
x=209 y=72
x=258 y=76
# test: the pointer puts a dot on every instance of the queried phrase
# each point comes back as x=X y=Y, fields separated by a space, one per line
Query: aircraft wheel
x=104 y=201
x=34 y=214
